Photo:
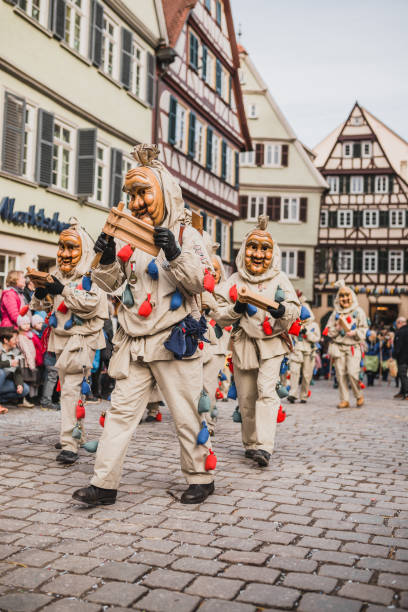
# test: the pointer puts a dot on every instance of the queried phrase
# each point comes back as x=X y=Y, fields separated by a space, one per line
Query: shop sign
x=31 y=218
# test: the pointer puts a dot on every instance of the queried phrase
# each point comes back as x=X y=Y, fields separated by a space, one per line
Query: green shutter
x=223 y=160
x=126 y=57
x=383 y=261
x=357 y=149
x=218 y=12
x=236 y=168
x=358 y=261
x=116 y=181
x=390 y=184
x=341 y=184
x=383 y=218
x=193 y=51
x=191 y=135
x=204 y=60
x=204 y=216
x=218 y=234
x=218 y=76
x=208 y=164
x=347 y=182
x=150 y=78
x=172 y=120
x=58 y=18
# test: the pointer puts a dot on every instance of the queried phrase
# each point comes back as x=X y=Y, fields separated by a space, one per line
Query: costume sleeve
x=223 y=311
x=85 y=304
x=292 y=312
x=110 y=277
x=313 y=333
x=362 y=326
x=188 y=268
x=333 y=332
x=12 y=305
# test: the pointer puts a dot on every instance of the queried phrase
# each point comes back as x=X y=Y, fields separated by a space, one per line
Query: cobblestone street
x=325 y=527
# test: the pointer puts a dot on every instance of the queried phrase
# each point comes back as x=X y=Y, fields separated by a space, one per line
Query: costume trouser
x=70 y=394
x=50 y=379
x=258 y=403
x=211 y=370
x=348 y=369
x=306 y=367
x=180 y=383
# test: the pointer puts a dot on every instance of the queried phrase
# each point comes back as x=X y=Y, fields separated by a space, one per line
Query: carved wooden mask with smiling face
x=69 y=250
x=258 y=252
x=345 y=297
x=217 y=270
x=146 y=195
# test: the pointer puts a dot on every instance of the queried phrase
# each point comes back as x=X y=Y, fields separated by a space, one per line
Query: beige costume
x=256 y=356
x=345 y=350
x=75 y=348
x=302 y=359
x=140 y=358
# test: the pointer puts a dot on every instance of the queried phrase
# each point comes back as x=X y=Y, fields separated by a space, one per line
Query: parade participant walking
x=258 y=337
x=157 y=340
x=302 y=359
x=76 y=324
x=347 y=328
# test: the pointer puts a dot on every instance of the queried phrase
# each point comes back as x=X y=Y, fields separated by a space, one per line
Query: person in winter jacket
x=259 y=338
x=12 y=299
x=345 y=346
x=76 y=320
x=158 y=334
x=372 y=357
x=302 y=359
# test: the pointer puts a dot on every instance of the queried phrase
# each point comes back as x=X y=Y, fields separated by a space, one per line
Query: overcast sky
x=319 y=56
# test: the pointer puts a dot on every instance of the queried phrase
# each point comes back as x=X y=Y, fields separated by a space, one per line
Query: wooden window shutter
x=218 y=234
x=96 y=35
x=383 y=218
x=58 y=18
x=116 y=177
x=273 y=208
x=332 y=218
x=172 y=120
x=243 y=206
x=191 y=135
x=230 y=90
x=150 y=78
x=285 y=155
x=405 y=263
x=259 y=154
x=390 y=184
x=356 y=218
x=347 y=183
x=204 y=216
x=223 y=160
x=335 y=261
x=357 y=149
x=86 y=162
x=218 y=76
x=218 y=12
x=193 y=59
x=366 y=183
x=358 y=261
x=383 y=261
x=372 y=183
x=13 y=134
x=126 y=57
x=341 y=184
x=208 y=5
x=231 y=245
x=208 y=164
x=301 y=261
x=204 y=60
x=236 y=168
x=45 y=141
x=303 y=210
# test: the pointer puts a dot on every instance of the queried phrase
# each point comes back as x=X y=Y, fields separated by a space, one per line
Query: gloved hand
x=54 y=288
x=165 y=239
x=277 y=313
x=105 y=245
x=40 y=293
x=239 y=307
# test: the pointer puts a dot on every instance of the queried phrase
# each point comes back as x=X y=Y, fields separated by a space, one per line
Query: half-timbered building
x=200 y=122
x=363 y=235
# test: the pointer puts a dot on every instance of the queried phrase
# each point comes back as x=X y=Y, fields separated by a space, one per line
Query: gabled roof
x=304 y=154
x=393 y=145
x=175 y=14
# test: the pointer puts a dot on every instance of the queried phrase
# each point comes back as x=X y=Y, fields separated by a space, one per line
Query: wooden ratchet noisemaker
x=40 y=279
x=250 y=297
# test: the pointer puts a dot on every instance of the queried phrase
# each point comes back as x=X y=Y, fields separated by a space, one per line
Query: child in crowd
x=12 y=386
x=31 y=347
x=372 y=357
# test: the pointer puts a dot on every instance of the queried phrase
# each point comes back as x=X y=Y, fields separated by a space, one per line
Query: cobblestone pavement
x=325 y=527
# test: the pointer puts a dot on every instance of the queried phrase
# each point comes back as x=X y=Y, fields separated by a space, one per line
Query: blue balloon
x=251 y=310
x=153 y=270
x=204 y=434
x=86 y=283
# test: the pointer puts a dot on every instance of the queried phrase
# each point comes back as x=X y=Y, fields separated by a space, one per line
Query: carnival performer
x=347 y=328
x=259 y=338
x=214 y=353
x=160 y=326
x=76 y=328
x=302 y=359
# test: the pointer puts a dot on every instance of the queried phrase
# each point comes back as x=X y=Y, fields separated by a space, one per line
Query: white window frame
x=252 y=111
x=215 y=154
x=347 y=149
x=101 y=180
x=273 y=155
x=224 y=241
x=37 y=10
x=63 y=154
x=247 y=158
x=345 y=218
x=324 y=218
x=138 y=71
x=371 y=218
x=110 y=67
x=397 y=217
x=356 y=184
x=289 y=262
x=290 y=209
x=210 y=225
x=334 y=183
x=210 y=70
x=199 y=141
x=74 y=25
x=228 y=163
x=369 y=144
x=127 y=164
x=370 y=261
x=396 y=262
x=381 y=183
x=29 y=145
x=181 y=127
x=11 y=262
x=345 y=261
x=256 y=206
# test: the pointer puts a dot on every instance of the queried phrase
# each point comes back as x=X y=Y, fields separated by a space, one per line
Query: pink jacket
x=10 y=303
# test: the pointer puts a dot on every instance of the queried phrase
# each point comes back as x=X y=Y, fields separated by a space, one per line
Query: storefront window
x=7 y=263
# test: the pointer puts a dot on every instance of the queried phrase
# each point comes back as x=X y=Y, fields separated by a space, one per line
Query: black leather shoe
x=67 y=457
x=95 y=496
x=150 y=418
x=250 y=453
x=197 y=493
x=291 y=399
x=58 y=445
x=303 y=401
x=262 y=457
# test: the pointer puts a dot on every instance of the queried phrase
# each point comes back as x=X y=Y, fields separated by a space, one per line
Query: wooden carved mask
x=217 y=270
x=146 y=195
x=258 y=252
x=345 y=297
x=69 y=250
